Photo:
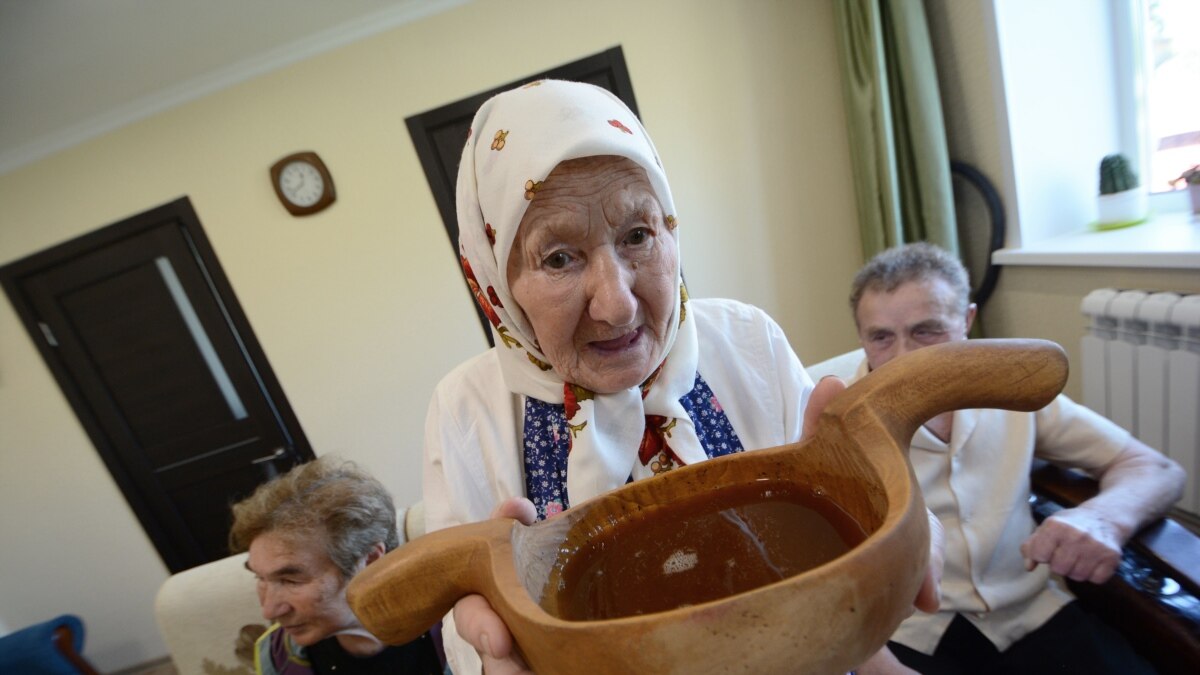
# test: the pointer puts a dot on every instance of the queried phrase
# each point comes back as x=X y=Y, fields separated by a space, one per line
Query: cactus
x=1116 y=175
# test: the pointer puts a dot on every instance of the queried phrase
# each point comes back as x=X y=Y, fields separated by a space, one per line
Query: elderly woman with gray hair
x=604 y=370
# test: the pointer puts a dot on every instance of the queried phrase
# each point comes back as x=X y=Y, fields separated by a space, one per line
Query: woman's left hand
x=825 y=391
x=929 y=596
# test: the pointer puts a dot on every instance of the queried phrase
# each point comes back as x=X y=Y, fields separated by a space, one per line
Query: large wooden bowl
x=825 y=620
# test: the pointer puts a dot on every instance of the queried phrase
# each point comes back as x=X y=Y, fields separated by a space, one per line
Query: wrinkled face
x=594 y=269
x=917 y=314
x=300 y=587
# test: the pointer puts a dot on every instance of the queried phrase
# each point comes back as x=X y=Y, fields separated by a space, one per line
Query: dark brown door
x=145 y=336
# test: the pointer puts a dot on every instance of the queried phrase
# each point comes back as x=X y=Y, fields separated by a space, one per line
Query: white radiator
x=1141 y=369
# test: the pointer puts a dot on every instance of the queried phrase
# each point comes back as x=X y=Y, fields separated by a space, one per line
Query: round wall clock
x=303 y=183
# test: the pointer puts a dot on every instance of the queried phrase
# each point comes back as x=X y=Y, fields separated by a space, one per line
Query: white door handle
x=279 y=452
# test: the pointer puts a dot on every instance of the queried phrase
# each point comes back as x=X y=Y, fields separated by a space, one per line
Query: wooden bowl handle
x=407 y=591
x=906 y=392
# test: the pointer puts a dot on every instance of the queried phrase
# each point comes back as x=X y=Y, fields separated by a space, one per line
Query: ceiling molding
x=212 y=82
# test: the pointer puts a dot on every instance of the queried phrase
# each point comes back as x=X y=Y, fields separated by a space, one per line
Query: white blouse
x=473 y=431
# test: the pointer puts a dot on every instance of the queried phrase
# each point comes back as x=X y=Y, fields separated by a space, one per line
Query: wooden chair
x=1154 y=598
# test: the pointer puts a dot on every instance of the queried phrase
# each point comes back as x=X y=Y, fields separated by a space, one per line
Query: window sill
x=1169 y=240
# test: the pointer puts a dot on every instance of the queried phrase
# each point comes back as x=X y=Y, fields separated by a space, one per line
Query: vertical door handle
x=279 y=452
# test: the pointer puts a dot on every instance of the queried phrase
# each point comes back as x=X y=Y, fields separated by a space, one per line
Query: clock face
x=301 y=183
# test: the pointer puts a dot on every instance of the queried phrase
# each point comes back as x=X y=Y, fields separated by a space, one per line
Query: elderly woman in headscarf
x=604 y=371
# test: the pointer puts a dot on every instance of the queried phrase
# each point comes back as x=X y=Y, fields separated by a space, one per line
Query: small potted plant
x=1190 y=179
x=1122 y=202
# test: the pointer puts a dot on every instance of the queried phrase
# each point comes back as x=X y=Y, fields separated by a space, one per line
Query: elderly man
x=1000 y=612
x=308 y=532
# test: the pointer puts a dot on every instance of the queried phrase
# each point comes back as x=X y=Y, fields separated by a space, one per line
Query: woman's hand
x=884 y=663
x=825 y=391
x=929 y=596
x=479 y=624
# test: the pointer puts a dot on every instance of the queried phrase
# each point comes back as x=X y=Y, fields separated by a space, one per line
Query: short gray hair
x=890 y=269
x=327 y=498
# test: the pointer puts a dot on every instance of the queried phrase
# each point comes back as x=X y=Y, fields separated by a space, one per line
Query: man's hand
x=1077 y=543
x=479 y=624
x=1084 y=543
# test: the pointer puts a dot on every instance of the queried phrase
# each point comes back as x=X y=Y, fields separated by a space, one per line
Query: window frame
x=1054 y=192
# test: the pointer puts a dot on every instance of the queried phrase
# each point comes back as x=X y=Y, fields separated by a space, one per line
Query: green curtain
x=894 y=114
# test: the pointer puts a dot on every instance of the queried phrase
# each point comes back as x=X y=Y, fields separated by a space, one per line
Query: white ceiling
x=71 y=70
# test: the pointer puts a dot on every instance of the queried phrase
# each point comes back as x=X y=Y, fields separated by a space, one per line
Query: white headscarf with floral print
x=517 y=138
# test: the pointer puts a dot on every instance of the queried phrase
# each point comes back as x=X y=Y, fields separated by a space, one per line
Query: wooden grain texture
x=826 y=620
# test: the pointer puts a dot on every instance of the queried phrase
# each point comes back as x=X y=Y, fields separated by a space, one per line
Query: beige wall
x=1043 y=302
x=361 y=308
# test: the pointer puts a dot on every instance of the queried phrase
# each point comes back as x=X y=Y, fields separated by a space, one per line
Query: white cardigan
x=978 y=486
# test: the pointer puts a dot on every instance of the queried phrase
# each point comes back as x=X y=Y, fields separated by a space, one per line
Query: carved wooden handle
x=400 y=596
x=906 y=392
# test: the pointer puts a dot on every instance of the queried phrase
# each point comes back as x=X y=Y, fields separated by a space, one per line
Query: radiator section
x=1140 y=358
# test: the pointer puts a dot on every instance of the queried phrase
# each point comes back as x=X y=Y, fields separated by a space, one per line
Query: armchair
x=53 y=647
x=1154 y=599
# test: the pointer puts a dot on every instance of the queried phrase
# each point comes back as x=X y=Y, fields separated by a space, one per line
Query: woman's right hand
x=479 y=624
